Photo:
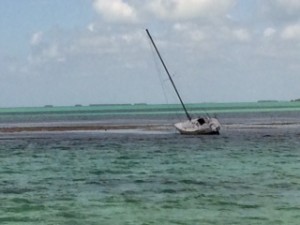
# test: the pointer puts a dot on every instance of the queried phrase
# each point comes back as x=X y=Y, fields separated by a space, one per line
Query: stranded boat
x=201 y=125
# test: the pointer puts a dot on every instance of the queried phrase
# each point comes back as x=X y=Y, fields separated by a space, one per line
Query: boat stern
x=215 y=125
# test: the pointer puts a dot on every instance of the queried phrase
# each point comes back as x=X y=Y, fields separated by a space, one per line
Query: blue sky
x=20 y=19
x=96 y=51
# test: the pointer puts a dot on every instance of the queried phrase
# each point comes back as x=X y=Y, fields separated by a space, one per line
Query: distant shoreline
x=53 y=107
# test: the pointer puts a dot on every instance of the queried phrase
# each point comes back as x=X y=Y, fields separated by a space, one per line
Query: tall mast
x=167 y=71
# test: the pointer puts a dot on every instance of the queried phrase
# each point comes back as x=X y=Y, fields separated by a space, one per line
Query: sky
x=69 y=52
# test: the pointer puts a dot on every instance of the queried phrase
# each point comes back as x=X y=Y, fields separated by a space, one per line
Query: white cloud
x=133 y=10
x=52 y=52
x=269 y=32
x=115 y=10
x=280 y=11
x=91 y=27
x=36 y=38
x=289 y=5
x=191 y=32
x=291 y=32
x=132 y=38
x=189 y=9
x=242 y=35
x=48 y=53
x=180 y=27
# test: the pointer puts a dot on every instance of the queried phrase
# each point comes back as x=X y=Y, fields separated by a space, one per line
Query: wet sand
x=83 y=127
x=65 y=127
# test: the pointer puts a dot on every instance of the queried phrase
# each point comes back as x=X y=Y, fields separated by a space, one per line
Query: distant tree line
x=296 y=100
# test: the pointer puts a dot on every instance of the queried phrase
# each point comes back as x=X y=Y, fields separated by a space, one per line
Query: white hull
x=203 y=126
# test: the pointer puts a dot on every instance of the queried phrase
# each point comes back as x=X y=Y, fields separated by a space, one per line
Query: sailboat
x=200 y=125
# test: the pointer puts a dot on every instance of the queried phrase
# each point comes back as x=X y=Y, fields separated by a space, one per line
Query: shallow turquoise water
x=243 y=176
x=94 y=178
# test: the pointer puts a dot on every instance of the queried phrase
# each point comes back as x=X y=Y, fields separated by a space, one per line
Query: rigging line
x=158 y=71
x=167 y=71
x=165 y=86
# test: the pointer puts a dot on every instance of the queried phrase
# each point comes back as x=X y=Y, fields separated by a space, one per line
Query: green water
x=148 y=109
x=246 y=175
x=118 y=113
